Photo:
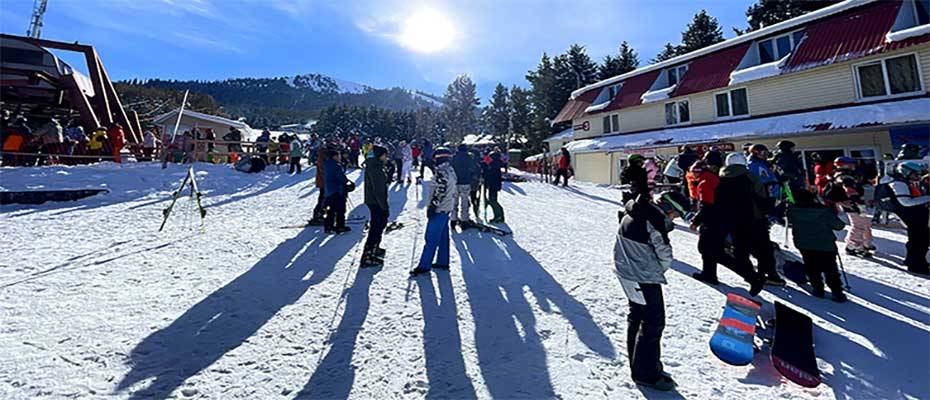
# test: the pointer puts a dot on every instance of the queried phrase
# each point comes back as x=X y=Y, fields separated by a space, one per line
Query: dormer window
x=674 y=75
x=778 y=47
x=612 y=91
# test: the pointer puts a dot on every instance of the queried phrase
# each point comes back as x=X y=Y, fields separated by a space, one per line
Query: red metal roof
x=856 y=33
x=632 y=91
x=711 y=71
x=575 y=107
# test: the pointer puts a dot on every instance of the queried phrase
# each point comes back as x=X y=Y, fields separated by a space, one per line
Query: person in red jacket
x=117 y=141
x=823 y=172
x=565 y=166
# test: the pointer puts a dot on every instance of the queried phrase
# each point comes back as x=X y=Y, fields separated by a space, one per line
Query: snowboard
x=732 y=343
x=793 y=347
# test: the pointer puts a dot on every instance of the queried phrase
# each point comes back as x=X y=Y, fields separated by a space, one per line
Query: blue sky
x=493 y=41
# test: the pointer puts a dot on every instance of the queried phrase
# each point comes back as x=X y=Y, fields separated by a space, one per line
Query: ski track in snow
x=96 y=303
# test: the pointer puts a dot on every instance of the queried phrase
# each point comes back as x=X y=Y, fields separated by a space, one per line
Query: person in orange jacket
x=117 y=141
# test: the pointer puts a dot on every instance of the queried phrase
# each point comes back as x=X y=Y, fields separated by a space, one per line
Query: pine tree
x=544 y=100
x=703 y=31
x=573 y=69
x=770 y=12
x=667 y=52
x=499 y=112
x=521 y=117
x=461 y=107
x=626 y=61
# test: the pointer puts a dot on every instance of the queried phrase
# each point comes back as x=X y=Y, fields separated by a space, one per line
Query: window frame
x=677 y=114
x=615 y=89
x=729 y=93
x=887 y=82
x=678 y=74
x=608 y=120
x=917 y=12
x=774 y=41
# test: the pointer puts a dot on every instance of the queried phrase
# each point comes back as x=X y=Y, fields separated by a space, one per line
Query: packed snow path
x=96 y=303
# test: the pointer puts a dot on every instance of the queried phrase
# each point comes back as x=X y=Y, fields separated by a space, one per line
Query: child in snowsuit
x=441 y=199
x=642 y=254
x=812 y=228
x=846 y=191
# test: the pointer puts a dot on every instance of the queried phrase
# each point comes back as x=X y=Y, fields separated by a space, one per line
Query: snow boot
x=839 y=297
x=316 y=221
x=664 y=383
x=379 y=252
x=370 y=260
x=817 y=292
x=342 y=230
x=452 y=224
x=775 y=280
x=441 y=266
x=417 y=271
x=756 y=285
x=704 y=278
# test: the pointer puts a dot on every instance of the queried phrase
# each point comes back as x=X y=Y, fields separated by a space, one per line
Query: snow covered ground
x=95 y=303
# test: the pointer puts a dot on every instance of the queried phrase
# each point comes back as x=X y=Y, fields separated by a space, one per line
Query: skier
x=296 y=151
x=407 y=154
x=739 y=198
x=687 y=157
x=376 y=198
x=642 y=254
x=703 y=180
x=117 y=141
x=261 y=144
x=565 y=164
x=759 y=166
x=50 y=136
x=910 y=204
x=465 y=170
x=813 y=225
x=474 y=192
x=317 y=218
x=427 y=157
x=98 y=141
x=398 y=157
x=334 y=181
x=493 y=183
x=635 y=176
x=823 y=170
x=846 y=191
x=788 y=165
x=354 y=148
x=441 y=199
x=76 y=141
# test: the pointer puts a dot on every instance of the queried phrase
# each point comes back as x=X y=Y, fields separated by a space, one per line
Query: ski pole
x=843 y=270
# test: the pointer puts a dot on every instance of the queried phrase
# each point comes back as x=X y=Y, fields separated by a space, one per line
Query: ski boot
x=342 y=230
x=316 y=221
x=664 y=383
x=711 y=280
x=756 y=286
x=775 y=280
x=417 y=271
x=839 y=297
x=370 y=260
x=818 y=292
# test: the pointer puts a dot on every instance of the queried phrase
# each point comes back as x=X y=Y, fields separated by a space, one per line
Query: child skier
x=846 y=191
x=812 y=228
x=442 y=197
x=642 y=254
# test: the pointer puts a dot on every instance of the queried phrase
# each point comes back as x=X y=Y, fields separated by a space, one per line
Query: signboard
x=702 y=148
x=584 y=126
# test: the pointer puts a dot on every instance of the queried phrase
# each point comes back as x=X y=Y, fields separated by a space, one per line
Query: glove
x=430 y=212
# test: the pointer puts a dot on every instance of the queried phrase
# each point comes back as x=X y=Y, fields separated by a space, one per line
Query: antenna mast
x=38 y=10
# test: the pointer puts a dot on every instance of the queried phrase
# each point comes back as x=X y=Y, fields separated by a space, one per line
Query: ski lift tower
x=38 y=10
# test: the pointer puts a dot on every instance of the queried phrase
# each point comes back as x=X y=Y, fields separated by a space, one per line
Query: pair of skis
x=792 y=350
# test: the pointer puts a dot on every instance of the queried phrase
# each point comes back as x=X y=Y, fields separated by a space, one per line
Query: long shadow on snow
x=592 y=197
x=859 y=370
x=227 y=317
x=513 y=188
x=278 y=181
x=512 y=358
x=397 y=200
x=335 y=375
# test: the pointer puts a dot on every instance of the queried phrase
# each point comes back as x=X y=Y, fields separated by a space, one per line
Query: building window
x=674 y=75
x=778 y=47
x=732 y=104
x=922 y=11
x=889 y=77
x=612 y=91
x=611 y=123
x=677 y=112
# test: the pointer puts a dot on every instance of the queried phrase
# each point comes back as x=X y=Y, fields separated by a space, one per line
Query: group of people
x=53 y=144
x=731 y=200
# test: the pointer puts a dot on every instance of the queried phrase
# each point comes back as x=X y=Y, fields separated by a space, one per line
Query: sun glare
x=427 y=31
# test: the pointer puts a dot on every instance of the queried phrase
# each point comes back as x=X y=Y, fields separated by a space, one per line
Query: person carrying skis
x=465 y=170
x=813 y=225
x=441 y=199
x=565 y=165
x=334 y=183
x=846 y=191
x=910 y=203
x=703 y=180
x=493 y=183
x=634 y=176
x=642 y=254
x=739 y=198
x=376 y=199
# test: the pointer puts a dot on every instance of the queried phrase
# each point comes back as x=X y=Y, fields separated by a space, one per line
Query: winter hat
x=441 y=155
x=907 y=168
x=378 y=151
x=785 y=145
x=735 y=159
x=714 y=158
x=844 y=163
x=632 y=158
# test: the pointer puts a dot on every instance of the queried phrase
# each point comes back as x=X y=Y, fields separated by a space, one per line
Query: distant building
x=192 y=119
x=850 y=79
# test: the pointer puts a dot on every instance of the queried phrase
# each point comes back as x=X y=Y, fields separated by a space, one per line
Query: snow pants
x=710 y=245
x=399 y=168
x=437 y=240
x=335 y=212
x=294 y=165
x=820 y=266
x=320 y=203
x=495 y=205
x=406 y=170
x=379 y=220
x=561 y=173
x=918 y=237
x=859 y=236
x=744 y=245
x=762 y=248
x=460 y=208
x=645 y=324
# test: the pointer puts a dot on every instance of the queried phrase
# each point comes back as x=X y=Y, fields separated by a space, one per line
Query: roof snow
x=657 y=95
x=895 y=112
x=567 y=134
x=916 y=31
x=758 y=72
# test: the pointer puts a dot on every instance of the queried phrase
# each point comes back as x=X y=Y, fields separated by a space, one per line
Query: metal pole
x=180 y=113
x=843 y=270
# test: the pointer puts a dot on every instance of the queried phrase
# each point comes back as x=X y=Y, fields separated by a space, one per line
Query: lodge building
x=850 y=79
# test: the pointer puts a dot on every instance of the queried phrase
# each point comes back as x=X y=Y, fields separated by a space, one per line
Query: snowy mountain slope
x=325 y=84
x=96 y=303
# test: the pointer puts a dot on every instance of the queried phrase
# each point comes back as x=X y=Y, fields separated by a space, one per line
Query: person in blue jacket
x=759 y=166
x=334 y=188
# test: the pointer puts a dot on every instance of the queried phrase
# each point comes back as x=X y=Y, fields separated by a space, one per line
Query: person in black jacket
x=334 y=182
x=736 y=198
x=635 y=176
x=788 y=165
x=493 y=183
x=466 y=169
x=376 y=198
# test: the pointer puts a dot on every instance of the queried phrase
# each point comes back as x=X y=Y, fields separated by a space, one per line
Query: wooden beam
x=113 y=98
x=100 y=101
x=79 y=99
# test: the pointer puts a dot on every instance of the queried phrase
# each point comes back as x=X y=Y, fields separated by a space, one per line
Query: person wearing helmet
x=788 y=165
x=823 y=170
x=846 y=191
x=493 y=183
x=759 y=166
x=634 y=177
x=913 y=200
x=642 y=254
x=441 y=200
x=739 y=199
x=702 y=184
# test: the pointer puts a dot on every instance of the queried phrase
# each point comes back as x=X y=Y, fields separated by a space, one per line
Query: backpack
x=886 y=199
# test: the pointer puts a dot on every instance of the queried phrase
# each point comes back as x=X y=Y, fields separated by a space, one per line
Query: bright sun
x=427 y=31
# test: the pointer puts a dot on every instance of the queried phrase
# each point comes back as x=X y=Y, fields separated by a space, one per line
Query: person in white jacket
x=912 y=207
x=407 y=166
x=441 y=201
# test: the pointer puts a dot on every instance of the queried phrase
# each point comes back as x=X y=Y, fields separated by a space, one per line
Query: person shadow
x=229 y=316
x=335 y=374
x=397 y=200
x=869 y=362
x=498 y=276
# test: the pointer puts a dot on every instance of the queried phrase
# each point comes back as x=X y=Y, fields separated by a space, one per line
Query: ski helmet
x=785 y=145
x=441 y=155
x=907 y=168
x=714 y=158
x=735 y=159
x=759 y=150
x=632 y=158
x=672 y=201
x=844 y=163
